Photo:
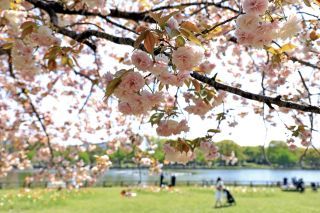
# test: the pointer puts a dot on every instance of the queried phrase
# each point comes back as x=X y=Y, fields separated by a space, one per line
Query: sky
x=250 y=131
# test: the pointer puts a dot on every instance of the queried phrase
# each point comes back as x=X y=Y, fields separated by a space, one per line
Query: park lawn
x=181 y=200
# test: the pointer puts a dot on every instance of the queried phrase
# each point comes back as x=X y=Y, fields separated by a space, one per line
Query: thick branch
x=261 y=98
x=177 y=6
x=60 y=8
x=118 y=40
x=4 y=52
x=80 y=37
x=115 y=13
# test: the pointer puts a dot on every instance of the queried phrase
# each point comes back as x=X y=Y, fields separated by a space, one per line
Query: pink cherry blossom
x=187 y=57
x=125 y=108
x=206 y=67
x=133 y=81
x=141 y=60
x=173 y=155
x=255 y=7
x=171 y=127
x=244 y=38
x=153 y=99
x=248 y=22
x=200 y=108
x=160 y=65
x=106 y=79
x=42 y=37
x=291 y=27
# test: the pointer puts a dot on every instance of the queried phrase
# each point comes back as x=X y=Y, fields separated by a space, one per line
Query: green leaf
x=180 y=42
x=155 y=118
x=190 y=36
x=115 y=82
x=163 y=20
x=221 y=116
x=307 y=3
x=214 y=130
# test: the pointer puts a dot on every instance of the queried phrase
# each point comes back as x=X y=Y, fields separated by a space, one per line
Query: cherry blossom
x=185 y=58
x=255 y=7
x=171 y=127
x=290 y=28
x=141 y=60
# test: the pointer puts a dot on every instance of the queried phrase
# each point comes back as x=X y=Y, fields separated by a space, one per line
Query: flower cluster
x=187 y=57
x=14 y=160
x=206 y=67
x=290 y=28
x=251 y=30
x=93 y=5
x=146 y=161
x=174 y=80
x=132 y=101
x=173 y=155
x=230 y=160
x=200 y=107
x=102 y=163
x=43 y=36
x=155 y=168
x=209 y=149
x=22 y=58
x=141 y=60
x=255 y=7
x=184 y=59
x=171 y=127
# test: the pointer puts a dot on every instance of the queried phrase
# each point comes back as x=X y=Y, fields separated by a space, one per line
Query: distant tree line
x=277 y=155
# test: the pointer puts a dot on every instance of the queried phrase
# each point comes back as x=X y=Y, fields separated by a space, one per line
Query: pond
x=240 y=176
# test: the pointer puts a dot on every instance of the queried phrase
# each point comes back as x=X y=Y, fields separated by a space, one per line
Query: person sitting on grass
x=128 y=193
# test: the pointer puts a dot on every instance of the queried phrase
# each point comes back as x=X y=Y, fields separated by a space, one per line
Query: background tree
x=279 y=154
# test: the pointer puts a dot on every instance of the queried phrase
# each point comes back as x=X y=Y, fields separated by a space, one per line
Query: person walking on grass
x=219 y=192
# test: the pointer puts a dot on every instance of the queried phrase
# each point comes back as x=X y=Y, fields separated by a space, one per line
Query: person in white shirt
x=219 y=192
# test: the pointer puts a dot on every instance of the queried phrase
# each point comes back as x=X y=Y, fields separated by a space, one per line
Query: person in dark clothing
x=161 y=179
x=314 y=186
x=285 y=181
x=173 y=181
x=230 y=198
x=300 y=185
x=294 y=181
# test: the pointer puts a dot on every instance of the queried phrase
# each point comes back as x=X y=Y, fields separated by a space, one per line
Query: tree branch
x=41 y=123
x=261 y=98
x=177 y=6
x=218 y=24
x=115 y=13
x=87 y=98
x=25 y=92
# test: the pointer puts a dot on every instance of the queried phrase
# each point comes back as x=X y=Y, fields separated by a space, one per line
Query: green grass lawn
x=180 y=200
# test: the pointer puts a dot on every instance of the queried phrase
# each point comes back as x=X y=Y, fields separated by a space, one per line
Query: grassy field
x=180 y=200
